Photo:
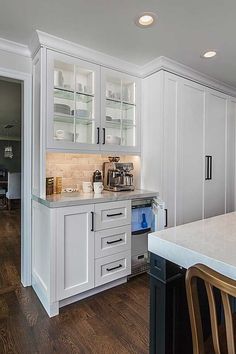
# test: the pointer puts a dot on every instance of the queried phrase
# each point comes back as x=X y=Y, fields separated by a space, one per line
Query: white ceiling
x=10 y=109
x=185 y=29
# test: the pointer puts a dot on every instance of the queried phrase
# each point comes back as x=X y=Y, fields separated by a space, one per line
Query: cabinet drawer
x=112 y=241
x=112 y=214
x=112 y=267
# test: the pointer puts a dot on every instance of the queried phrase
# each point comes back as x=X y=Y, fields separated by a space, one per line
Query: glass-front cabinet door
x=120 y=116
x=73 y=109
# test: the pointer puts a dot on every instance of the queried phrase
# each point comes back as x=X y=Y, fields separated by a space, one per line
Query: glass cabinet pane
x=120 y=121
x=74 y=103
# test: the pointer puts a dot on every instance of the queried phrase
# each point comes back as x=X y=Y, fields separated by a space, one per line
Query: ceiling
x=10 y=109
x=184 y=29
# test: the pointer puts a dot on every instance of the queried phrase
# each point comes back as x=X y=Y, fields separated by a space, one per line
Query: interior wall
x=16 y=62
x=14 y=164
x=76 y=168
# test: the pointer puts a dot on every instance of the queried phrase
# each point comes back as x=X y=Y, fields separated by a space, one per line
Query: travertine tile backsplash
x=76 y=168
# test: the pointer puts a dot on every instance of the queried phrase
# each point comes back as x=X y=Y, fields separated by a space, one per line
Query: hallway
x=9 y=250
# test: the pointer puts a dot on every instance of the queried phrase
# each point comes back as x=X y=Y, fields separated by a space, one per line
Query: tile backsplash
x=76 y=168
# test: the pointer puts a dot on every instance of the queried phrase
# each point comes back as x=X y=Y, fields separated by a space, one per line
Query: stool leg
x=9 y=204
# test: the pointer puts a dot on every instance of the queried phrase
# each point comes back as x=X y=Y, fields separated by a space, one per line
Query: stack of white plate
x=61 y=108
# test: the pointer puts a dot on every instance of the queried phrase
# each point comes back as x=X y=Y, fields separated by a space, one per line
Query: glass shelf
x=63 y=118
x=69 y=119
x=116 y=104
x=119 y=124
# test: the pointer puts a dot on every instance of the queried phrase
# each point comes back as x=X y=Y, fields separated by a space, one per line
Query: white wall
x=11 y=61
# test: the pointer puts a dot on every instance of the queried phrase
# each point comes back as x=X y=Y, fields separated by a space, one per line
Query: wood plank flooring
x=115 y=321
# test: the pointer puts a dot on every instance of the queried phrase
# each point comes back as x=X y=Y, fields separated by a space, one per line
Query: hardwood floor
x=115 y=321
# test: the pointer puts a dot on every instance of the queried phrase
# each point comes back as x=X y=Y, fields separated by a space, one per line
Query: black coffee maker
x=97 y=176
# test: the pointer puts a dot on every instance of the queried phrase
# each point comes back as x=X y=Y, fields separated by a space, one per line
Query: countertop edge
x=186 y=257
x=139 y=193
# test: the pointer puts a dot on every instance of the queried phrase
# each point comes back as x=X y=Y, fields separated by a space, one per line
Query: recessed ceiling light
x=209 y=54
x=146 y=19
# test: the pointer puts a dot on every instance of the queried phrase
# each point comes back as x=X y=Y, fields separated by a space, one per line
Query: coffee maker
x=117 y=176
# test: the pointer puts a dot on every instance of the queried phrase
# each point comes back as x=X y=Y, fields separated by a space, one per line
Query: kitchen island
x=211 y=242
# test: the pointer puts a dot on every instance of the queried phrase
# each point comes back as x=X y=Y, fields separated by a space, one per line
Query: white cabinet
x=81 y=107
x=73 y=103
x=191 y=162
x=215 y=152
x=112 y=267
x=113 y=214
x=71 y=257
x=120 y=111
x=190 y=151
x=75 y=250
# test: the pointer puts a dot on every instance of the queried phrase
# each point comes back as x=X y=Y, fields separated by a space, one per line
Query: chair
x=223 y=337
x=14 y=187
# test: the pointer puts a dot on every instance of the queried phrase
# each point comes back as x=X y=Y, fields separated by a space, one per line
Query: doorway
x=10 y=182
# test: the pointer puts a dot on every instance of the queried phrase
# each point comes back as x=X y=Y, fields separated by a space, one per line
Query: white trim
x=14 y=47
x=26 y=172
x=85 y=294
x=174 y=67
x=42 y=39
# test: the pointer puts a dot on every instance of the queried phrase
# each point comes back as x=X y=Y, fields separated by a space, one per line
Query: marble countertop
x=211 y=242
x=76 y=198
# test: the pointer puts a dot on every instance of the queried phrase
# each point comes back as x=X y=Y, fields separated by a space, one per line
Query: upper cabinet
x=120 y=111
x=90 y=108
x=73 y=107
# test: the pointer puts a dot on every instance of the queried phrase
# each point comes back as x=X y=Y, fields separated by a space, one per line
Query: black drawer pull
x=110 y=242
x=98 y=138
x=92 y=215
x=117 y=214
x=117 y=267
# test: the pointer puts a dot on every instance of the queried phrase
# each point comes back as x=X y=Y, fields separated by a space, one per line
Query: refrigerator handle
x=166 y=223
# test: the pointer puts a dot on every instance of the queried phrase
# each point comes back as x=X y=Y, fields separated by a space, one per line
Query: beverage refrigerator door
x=158 y=209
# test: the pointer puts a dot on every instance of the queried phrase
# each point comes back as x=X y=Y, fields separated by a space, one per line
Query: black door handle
x=208 y=167
x=104 y=135
x=117 y=214
x=98 y=135
x=119 y=266
x=110 y=242
x=166 y=223
x=92 y=215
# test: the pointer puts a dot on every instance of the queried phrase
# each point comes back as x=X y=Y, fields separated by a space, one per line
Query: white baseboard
x=91 y=292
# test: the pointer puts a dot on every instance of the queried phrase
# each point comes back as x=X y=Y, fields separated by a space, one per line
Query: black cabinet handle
x=104 y=135
x=110 y=269
x=110 y=242
x=208 y=167
x=166 y=223
x=92 y=215
x=117 y=214
x=98 y=135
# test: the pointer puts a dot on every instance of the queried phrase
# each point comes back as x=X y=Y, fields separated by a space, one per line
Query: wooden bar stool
x=222 y=340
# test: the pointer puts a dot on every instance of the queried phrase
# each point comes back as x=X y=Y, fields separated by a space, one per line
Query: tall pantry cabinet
x=188 y=147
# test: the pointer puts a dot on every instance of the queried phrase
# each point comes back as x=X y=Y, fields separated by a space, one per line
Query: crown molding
x=14 y=47
x=42 y=39
x=174 y=67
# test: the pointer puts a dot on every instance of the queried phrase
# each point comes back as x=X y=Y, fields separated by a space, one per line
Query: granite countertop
x=211 y=242
x=80 y=198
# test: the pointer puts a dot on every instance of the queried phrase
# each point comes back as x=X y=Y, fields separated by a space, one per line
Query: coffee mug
x=97 y=187
x=87 y=187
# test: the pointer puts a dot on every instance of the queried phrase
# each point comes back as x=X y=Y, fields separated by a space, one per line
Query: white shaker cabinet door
x=215 y=152
x=75 y=250
x=190 y=133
